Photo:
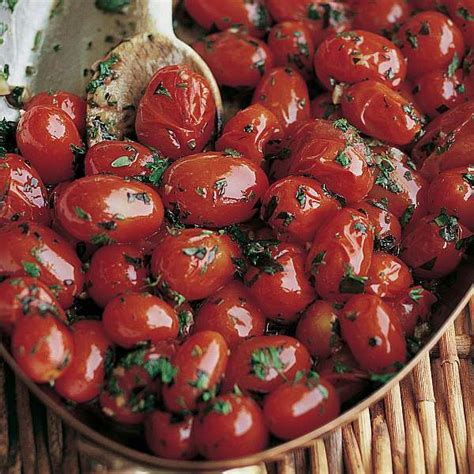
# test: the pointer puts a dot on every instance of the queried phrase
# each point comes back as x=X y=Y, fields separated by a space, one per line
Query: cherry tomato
x=195 y=263
x=462 y=14
x=83 y=378
x=283 y=91
x=382 y=113
x=340 y=257
x=374 y=333
x=356 y=56
x=169 y=435
x=318 y=329
x=214 y=189
x=430 y=40
x=233 y=313
x=235 y=59
x=71 y=104
x=37 y=251
x=263 y=363
x=22 y=193
x=103 y=209
x=42 y=346
x=200 y=363
x=230 y=426
x=177 y=113
x=322 y=107
x=135 y=318
x=297 y=408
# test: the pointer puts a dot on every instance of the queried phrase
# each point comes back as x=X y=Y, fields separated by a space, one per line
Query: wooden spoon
x=120 y=78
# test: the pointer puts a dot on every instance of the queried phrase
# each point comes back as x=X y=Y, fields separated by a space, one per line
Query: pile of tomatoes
x=228 y=290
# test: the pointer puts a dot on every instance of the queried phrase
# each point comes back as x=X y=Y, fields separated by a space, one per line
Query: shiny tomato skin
x=23 y=195
x=462 y=12
x=283 y=294
x=317 y=329
x=263 y=363
x=233 y=313
x=46 y=137
x=295 y=409
x=42 y=346
x=201 y=363
x=83 y=378
x=71 y=104
x=135 y=318
x=177 y=113
x=382 y=113
x=374 y=333
x=195 y=263
x=169 y=436
x=283 y=91
x=322 y=107
x=39 y=252
x=296 y=207
x=235 y=59
x=249 y=132
x=230 y=426
x=105 y=209
x=340 y=256
x=356 y=56
x=214 y=189
x=429 y=40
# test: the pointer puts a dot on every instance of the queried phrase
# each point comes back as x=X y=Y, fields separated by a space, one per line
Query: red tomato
x=22 y=193
x=374 y=334
x=70 y=103
x=83 y=378
x=233 y=313
x=283 y=91
x=176 y=114
x=37 y=251
x=356 y=56
x=235 y=59
x=200 y=363
x=214 y=189
x=297 y=408
x=322 y=107
x=102 y=209
x=230 y=426
x=462 y=14
x=42 y=346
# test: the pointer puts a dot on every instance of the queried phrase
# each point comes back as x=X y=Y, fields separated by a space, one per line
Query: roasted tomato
x=251 y=17
x=322 y=107
x=462 y=14
x=356 y=56
x=70 y=103
x=22 y=193
x=318 y=329
x=235 y=59
x=382 y=113
x=429 y=40
x=374 y=334
x=249 y=132
x=200 y=363
x=230 y=426
x=433 y=247
x=340 y=257
x=83 y=378
x=37 y=251
x=214 y=189
x=169 y=435
x=42 y=346
x=296 y=207
x=103 y=209
x=195 y=263
x=263 y=363
x=177 y=113
x=296 y=408
x=283 y=91
x=48 y=139
x=292 y=45
x=282 y=289
x=233 y=313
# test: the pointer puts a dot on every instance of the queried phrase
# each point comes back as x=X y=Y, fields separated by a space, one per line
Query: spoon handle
x=156 y=16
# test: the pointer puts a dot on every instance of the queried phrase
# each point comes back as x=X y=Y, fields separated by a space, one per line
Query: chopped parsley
x=351 y=283
x=32 y=269
x=104 y=72
x=265 y=359
x=162 y=90
x=112 y=6
x=449 y=227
